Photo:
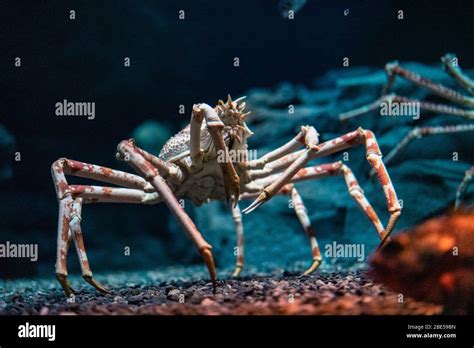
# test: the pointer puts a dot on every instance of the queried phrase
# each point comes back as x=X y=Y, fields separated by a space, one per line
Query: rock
x=174 y=295
x=207 y=302
x=135 y=299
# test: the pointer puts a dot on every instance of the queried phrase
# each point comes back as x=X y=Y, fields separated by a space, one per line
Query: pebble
x=174 y=295
x=135 y=299
x=322 y=293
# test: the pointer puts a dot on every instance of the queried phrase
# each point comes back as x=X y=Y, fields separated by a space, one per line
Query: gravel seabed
x=186 y=290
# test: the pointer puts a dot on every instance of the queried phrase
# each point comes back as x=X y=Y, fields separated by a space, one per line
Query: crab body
x=204 y=181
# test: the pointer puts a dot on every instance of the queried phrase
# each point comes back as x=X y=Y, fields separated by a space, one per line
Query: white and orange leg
x=302 y=214
x=356 y=192
x=319 y=172
x=76 y=231
x=291 y=163
x=303 y=218
x=239 y=233
x=351 y=139
x=127 y=150
x=394 y=69
x=71 y=198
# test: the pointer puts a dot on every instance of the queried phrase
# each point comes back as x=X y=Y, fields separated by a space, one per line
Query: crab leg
x=286 y=149
x=356 y=192
x=302 y=214
x=100 y=194
x=393 y=69
x=392 y=98
x=419 y=132
x=239 y=229
x=75 y=225
x=332 y=169
x=455 y=71
x=127 y=149
x=374 y=157
x=215 y=127
x=91 y=171
x=71 y=198
x=318 y=172
x=310 y=140
x=463 y=187
x=63 y=241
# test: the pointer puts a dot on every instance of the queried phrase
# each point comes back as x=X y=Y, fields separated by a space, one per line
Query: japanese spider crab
x=188 y=166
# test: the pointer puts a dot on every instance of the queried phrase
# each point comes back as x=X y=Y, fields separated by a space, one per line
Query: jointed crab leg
x=71 y=198
x=302 y=214
x=270 y=158
x=318 y=172
x=374 y=157
x=393 y=69
x=356 y=192
x=463 y=187
x=239 y=229
x=419 y=132
x=127 y=149
x=75 y=226
x=310 y=140
x=331 y=169
x=102 y=194
x=95 y=172
x=392 y=98
x=63 y=242
x=276 y=166
x=455 y=71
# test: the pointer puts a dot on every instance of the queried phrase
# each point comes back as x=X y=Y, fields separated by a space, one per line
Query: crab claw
x=262 y=198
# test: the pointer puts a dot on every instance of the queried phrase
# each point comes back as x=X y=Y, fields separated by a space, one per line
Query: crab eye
x=393 y=247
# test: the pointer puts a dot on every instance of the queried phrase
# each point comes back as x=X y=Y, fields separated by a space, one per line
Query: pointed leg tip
x=314 y=266
x=262 y=198
x=209 y=261
x=98 y=286
x=237 y=271
x=252 y=207
x=64 y=281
